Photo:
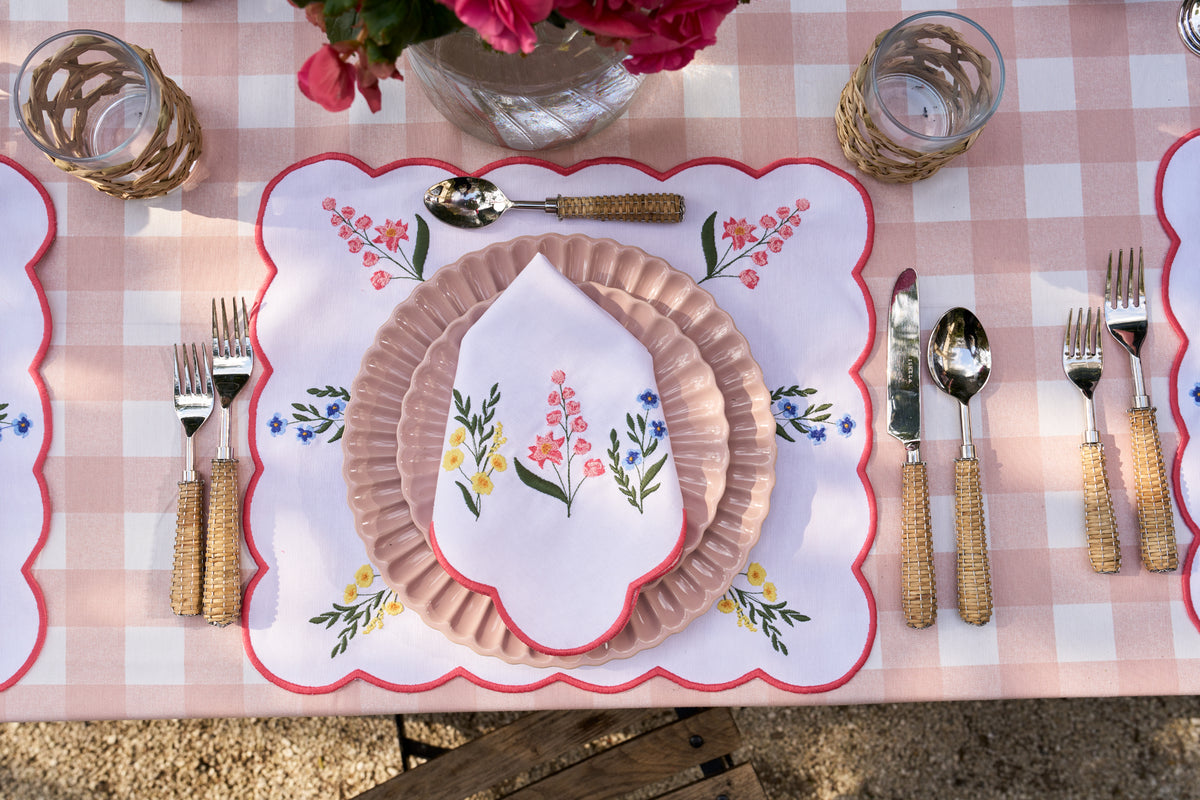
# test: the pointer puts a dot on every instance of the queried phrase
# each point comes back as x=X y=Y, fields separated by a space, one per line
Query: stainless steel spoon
x=475 y=202
x=1189 y=24
x=960 y=362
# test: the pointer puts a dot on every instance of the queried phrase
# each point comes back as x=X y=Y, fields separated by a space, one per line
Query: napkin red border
x=563 y=677
x=1176 y=486
x=35 y=373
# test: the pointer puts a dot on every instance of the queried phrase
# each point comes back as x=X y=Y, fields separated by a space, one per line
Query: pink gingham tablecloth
x=1019 y=229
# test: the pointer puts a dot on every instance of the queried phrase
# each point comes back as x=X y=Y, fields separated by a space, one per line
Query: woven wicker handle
x=188 y=569
x=1155 y=517
x=918 y=591
x=625 y=207
x=1103 y=540
x=223 y=546
x=974 y=575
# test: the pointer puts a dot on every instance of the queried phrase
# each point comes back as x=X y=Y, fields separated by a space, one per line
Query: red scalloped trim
x=35 y=373
x=562 y=677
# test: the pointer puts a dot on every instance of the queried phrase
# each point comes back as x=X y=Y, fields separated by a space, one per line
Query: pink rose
x=578 y=425
x=775 y=245
x=767 y=221
x=802 y=204
x=558 y=376
x=593 y=468
x=759 y=258
x=553 y=399
x=506 y=25
x=355 y=245
x=573 y=407
x=582 y=446
x=329 y=204
x=380 y=279
x=326 y=79
x=679 y=28
x=749 y=277
x=568 y=393
x=785 y=232
x=370 y=258
x=363 y=222
x=554 y=417
x=345 y=232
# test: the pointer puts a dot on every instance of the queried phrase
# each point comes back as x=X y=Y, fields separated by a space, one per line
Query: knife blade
x=918 y=587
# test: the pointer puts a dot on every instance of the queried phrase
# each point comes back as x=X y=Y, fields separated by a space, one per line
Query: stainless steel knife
x=918 y=588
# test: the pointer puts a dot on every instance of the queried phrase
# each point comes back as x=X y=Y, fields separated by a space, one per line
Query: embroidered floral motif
x=644 y=434
x=745 y=244
x=757 y=606
x=560 y=446
x=20 y=426
x=380 y=242
x=793 y=413
x=1195 y=393
x=309 y=421
x=482 y=441
x=358 y=610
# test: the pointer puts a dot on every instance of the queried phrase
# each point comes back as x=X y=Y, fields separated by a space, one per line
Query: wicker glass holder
x=56 y=110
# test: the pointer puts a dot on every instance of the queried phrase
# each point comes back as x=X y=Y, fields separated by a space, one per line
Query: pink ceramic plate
x=693 y=408
x=383 y=519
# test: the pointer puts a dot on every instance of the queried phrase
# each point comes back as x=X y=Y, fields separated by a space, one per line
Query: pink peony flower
x=363 y=222
x=370 y=258
x=390 y=234
x=568 y=393
x=578 y=425
x=335 y=220
x=329 y=204
x=347 y=211
x=784 y=212
x=582 y=446
x=380 y=279
x=593 y=468
x=553 y=399
x=749 y=277
x=558 y=376
x=802 y=204
x=506 y=25
x=740 y=232
x=554 y=417
x=572 y=407
x=546 y=449
x=786 y=232
x=767 y=221
x=326 y=79
x=355 y=245
x=759 y=258
x=345 y=232
x=774 y=245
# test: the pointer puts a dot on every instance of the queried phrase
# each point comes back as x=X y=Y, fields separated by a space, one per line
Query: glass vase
x=568 y=88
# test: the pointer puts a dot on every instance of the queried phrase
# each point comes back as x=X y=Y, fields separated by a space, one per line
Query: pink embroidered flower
x=784 y=212
x=326 y=79
x=786 y=232
x=345 y=232
x=767 y=221
x=740 y=232
x=572 y=407
x=380 y=279
x=329 y=204
x=578 y=425
x=802 y=204
x=553 y=399
x=347 y=211
x=557 y=377
x=774 y=245
x=363 y=222
x=355 y=245
x=546 y=449
x=593 y=468
x=335 y=220
x=748 y=277
x=568 y=393
x=554 y=417
x=390 y=234
x=582 y=446
x=759 y=258
x=370 y=258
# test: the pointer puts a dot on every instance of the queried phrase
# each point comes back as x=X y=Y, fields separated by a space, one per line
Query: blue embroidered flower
x=633 y=458
x=658 y=428
x=817 y=434
x=845 y=425
x=334 y=409
x=787 y=408
x=1196 y=393
x=22 y=425
x=305 y=435
x=648 y=399
x=277 y=424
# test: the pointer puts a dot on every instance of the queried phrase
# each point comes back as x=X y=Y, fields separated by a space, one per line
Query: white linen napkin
x=558 y=494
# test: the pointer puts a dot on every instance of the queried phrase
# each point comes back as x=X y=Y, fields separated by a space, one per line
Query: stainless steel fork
x=193 y=405
x=1083 y=361
x=233 y=361
x=1126 y=318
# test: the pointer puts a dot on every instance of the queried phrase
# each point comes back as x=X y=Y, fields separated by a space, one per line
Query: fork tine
x=1141 y=274
x=175 y=355
x=1099 y=340
x=1109 y=297
x=245 y=329
x=226 y=342
x=208 y=384
x=1067 y=334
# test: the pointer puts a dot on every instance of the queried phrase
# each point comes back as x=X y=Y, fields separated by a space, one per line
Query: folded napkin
x=558 y=494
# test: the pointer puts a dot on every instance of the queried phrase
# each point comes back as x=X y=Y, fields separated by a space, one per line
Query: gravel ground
x=1112 y=748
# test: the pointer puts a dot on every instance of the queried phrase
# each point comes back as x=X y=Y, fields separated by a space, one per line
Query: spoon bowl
x=960 y=358
x=1189 y=24
x=466 y=202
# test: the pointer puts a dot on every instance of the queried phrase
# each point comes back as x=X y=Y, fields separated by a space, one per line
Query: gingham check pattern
x=1018 y=229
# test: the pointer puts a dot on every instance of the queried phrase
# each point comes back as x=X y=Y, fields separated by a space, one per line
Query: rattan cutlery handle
x=223 y=546
x=188 y=569
x=1103 y=540
x=626 y=207
x=919 y=590
x=1155 y=518
x=974 y=574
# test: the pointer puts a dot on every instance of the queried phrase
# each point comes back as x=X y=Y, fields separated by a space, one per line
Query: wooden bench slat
x=739 y=783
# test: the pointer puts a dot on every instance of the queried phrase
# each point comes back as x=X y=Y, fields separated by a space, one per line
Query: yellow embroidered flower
x=499 y=438
x=458 y=437
x=498 y=462
x=452 y=459
x=393 y=607
x=364 y=576
x=769 y=593
x=350 y=594
x=725 y=606
x=481 y=484
x=744 y=621
x=756 y=574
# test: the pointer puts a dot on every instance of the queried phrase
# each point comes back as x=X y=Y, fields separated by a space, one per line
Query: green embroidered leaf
x=781 y=432
x=466 y=493
x=420 y=247
x=708 y=241
x=324 y=426
x=534 y=481
x=650 y=473
x=337 y=435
